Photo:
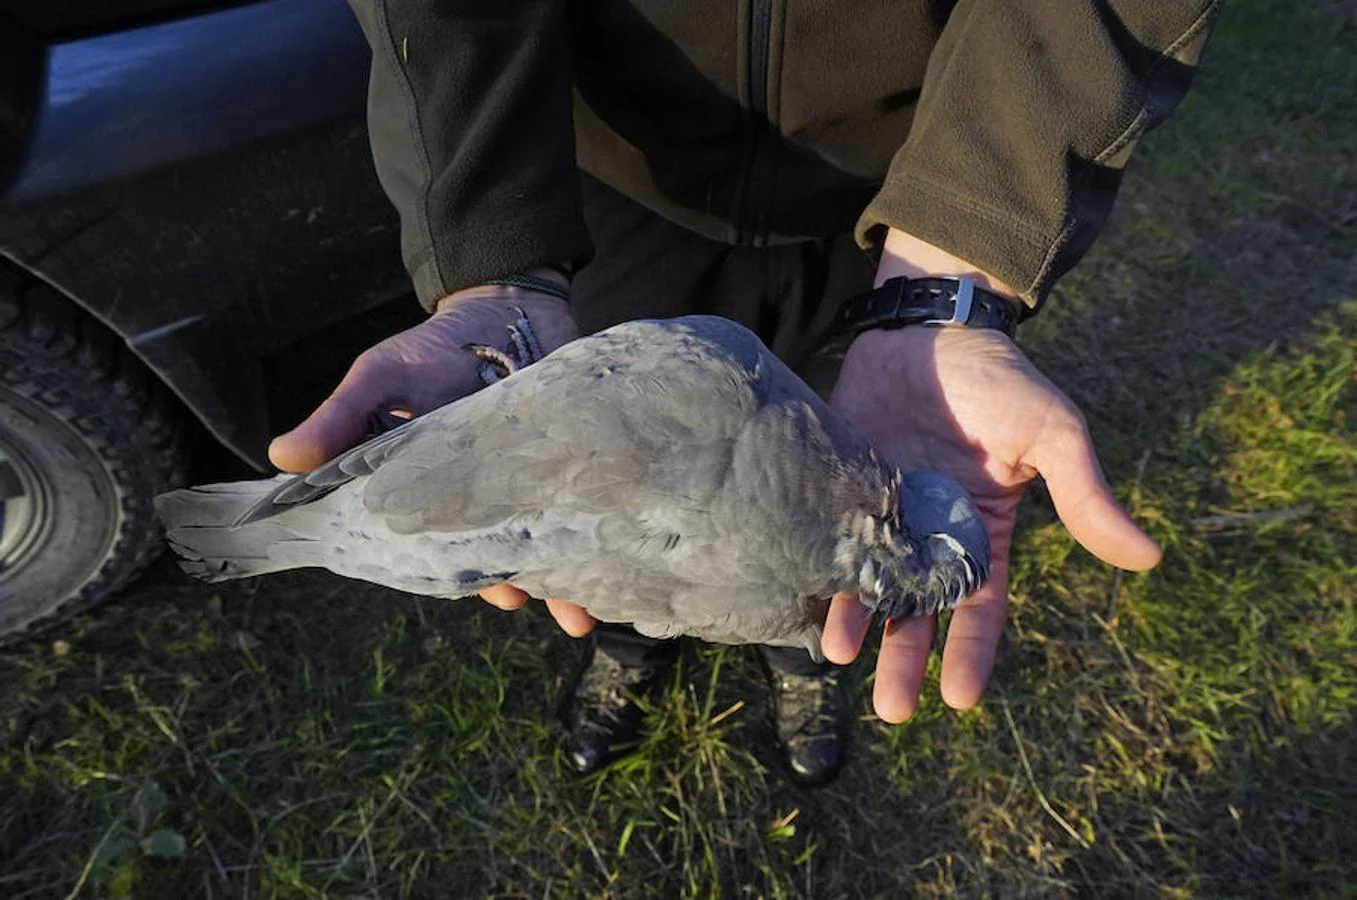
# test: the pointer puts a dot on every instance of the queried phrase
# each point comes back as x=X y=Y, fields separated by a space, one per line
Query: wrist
x=553 y=280
x=906 y=256
x=537 y=283
x=902 y=301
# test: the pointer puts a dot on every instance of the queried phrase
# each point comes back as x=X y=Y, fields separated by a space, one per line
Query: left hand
x=968 y=403
x=421 y=369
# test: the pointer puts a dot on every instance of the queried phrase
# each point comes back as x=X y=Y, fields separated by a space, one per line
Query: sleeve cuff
x=1011 y=250
x=507 y=248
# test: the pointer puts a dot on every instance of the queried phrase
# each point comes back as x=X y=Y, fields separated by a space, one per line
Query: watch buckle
x=961 y=312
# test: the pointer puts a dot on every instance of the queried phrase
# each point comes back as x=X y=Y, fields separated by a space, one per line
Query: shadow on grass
x=302 y=734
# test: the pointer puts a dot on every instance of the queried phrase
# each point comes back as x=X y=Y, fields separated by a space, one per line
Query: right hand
x=419 y=370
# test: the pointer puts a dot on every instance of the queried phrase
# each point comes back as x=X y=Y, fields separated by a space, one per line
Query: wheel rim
x=25 y=502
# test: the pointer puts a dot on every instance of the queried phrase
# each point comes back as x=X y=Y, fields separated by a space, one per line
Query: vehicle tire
x=87 y=439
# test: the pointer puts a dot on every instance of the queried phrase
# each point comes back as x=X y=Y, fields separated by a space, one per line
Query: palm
x=422 y=369
x=969 y=404
x=416 y=371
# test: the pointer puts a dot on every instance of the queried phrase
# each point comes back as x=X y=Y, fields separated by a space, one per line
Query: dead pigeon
x=674 y=475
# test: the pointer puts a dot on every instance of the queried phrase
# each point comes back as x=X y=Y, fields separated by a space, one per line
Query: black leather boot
x=601 y=715
x=812 y=723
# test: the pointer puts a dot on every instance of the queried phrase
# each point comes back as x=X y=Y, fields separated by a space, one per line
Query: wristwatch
x=926 y=301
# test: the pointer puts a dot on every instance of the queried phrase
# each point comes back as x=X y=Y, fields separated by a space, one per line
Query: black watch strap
x=927 y=301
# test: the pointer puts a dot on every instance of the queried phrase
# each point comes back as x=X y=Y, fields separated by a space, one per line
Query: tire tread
x=134 y=428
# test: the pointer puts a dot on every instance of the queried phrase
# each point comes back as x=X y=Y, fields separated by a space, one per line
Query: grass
x=1189 y=732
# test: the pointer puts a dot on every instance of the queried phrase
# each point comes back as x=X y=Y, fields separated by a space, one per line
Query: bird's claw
x=495 y=364
x=523 y=350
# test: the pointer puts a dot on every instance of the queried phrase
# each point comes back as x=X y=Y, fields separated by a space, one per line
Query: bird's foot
x=523 y=349
x=495 y=364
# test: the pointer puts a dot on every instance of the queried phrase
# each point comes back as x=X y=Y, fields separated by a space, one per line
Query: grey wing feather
x=585 y=428
x=596 y=427
x=361 y=460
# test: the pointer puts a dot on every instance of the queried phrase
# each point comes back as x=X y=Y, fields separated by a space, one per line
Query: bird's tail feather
x=199 y=524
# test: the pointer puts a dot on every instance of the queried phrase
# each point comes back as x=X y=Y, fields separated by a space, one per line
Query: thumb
x=339 y=423
x=1087 y=506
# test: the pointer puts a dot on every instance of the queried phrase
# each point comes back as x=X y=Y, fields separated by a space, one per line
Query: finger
x=900 y=667
x=505 y=596
x=973 y=639
x=574 y=620
x=845 y=629
x=337 y=424
x=1087 y=506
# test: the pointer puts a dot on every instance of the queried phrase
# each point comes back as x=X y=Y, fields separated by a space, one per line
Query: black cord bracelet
x=533 y=283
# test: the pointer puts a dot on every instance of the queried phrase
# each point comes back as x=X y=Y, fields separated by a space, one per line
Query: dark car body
x=198 y=178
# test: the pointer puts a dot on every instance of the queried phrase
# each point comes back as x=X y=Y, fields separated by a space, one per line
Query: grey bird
x=670 y=474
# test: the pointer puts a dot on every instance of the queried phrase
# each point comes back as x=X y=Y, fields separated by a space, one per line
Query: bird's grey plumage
x=670 y=474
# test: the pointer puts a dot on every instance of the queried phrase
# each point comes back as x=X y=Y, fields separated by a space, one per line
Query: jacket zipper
x=749 y=217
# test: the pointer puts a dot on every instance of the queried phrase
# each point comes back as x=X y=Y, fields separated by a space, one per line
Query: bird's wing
x=630 y=422
x=356 y=463
x=607 y=423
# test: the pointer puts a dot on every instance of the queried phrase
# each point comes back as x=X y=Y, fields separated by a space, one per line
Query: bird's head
x=925 y=550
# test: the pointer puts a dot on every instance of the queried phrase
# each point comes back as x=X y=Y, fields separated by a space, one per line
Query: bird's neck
x=870 y=534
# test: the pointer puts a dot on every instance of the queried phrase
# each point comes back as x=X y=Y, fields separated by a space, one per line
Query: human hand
x=968 y=403
x=419 y=370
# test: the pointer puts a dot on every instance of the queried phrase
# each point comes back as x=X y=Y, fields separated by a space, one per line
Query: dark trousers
x=647 y=267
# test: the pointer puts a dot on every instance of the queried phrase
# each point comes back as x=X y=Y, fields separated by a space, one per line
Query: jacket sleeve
x=1029 y=112
x=469 y=114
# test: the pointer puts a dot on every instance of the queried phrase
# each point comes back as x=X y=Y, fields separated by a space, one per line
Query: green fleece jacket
x=995 y=129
